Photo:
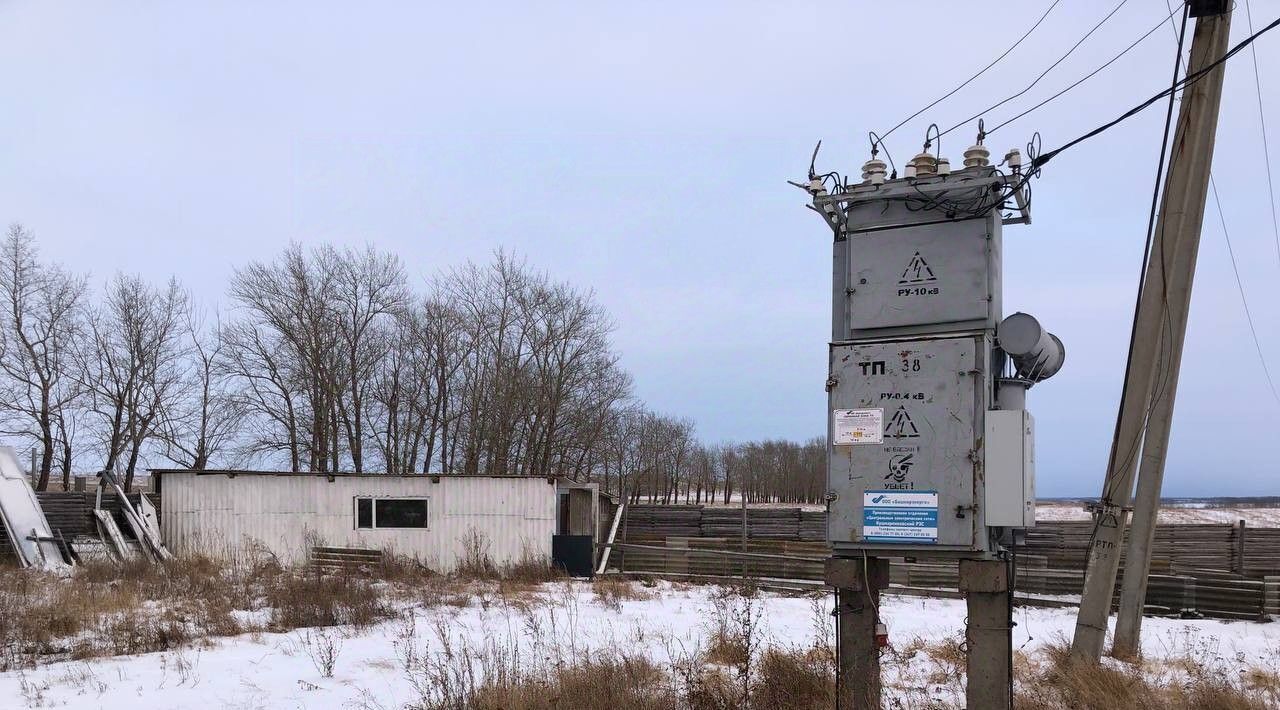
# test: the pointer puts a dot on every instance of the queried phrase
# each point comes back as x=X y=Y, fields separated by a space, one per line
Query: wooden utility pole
x=1151 y=378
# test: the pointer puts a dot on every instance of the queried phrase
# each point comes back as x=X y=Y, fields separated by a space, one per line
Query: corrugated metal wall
x=222 y=516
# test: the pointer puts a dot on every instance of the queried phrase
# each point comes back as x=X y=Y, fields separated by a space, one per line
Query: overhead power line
x=1262 y=118
x=1186 y=81
x=1244 y=298
x=1147 y=250
x=1028 y=87
x=1240 y=285
x=1086 y=77
x=966 y=82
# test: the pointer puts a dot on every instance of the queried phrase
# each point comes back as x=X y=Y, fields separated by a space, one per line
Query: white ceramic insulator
x=874 y=171
x=1014 y=159
x=977 y=156
x=944 y=166
x=925 y=164
x=909 y=170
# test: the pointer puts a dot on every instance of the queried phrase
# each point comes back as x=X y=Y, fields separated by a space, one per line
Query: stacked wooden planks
x=652 y=521
x=813 y=525
x=339 y=559
x=659 y=521
x=1211 y=593
x=1261 y=552
x=72 y=513
x=1062 y=544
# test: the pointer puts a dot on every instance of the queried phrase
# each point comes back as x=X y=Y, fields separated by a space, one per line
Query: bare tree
x=132 y=365
x=42 y=318
x=370 y=291
x=537 y=375
x=266 y=391
x=287 y=337
x=203 y=425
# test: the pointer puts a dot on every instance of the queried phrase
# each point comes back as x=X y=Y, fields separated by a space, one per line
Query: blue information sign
x=900 y=516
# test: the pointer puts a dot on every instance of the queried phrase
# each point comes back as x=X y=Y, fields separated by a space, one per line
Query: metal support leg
x=989 y=635
x=858 y=583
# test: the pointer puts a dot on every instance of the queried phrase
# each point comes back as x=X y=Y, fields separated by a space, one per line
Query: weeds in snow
x=322 y=646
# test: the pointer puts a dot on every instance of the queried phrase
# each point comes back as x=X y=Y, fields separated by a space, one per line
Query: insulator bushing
x=874 y=171
x=1014 y=159
x=977 y=156
x=925 y=164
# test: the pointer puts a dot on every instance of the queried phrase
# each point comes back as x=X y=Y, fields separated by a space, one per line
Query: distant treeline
x=329 y=359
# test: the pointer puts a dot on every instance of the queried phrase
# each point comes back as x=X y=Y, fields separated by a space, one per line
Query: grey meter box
x=1011 y=468
x=928 y=399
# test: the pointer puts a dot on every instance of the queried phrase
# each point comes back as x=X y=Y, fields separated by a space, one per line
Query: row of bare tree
x=329 y=361
x=664 y=463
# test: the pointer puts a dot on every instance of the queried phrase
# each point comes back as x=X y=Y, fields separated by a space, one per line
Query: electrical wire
x=1146 y=257
x=1086 y=77
x=1240 y=285
x=1028 y=87
x=1213 y=184
x=1266 y=152
x=966 y=82
x=1185 y=82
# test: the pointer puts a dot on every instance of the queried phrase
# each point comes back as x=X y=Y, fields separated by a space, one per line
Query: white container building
x=430 y=518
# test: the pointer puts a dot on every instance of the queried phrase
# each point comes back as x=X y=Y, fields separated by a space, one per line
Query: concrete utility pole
x=988 y=599
x=1193 y=154
x=1152 y=375
x=858 y=584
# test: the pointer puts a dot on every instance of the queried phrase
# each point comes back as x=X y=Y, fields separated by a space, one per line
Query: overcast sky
x=641 y=150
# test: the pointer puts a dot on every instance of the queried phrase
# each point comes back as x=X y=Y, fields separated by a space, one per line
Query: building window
x=378 y=513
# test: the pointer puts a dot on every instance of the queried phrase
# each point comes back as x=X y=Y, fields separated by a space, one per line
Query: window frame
x=373 y=512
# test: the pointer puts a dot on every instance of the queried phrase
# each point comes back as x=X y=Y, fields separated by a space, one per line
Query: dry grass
x=99 y=611
x=1195 y=680
x=611 y=591
x=308 y=600
x=539 y=669
x=609 y=684
x=113 y=609
x=795 y=678
x=136 y=607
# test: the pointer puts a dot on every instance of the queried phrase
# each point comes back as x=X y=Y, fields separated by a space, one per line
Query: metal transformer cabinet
x=913 y=365
x=929 y=444
x=927 y=400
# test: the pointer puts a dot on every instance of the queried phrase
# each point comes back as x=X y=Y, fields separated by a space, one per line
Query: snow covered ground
x=278 y=671
x=1253 y=517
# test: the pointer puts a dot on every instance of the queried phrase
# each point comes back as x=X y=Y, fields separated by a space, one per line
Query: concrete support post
x=1239 y=566
x=989 y=633
x=1151 y=378
x=858 y=583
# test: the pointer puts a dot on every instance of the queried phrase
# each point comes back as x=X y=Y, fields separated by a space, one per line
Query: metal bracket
x=1206 y=8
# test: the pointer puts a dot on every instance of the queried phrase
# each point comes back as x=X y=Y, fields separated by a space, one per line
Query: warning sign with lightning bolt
x=917 y=271
x=900 y=426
